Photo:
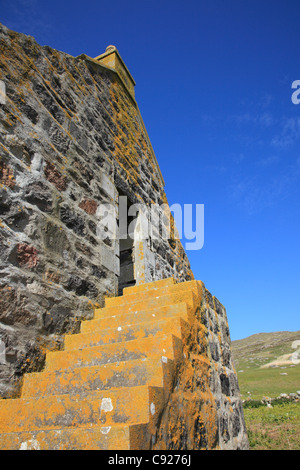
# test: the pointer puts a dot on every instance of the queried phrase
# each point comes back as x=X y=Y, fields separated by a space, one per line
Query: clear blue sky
x=214 y=88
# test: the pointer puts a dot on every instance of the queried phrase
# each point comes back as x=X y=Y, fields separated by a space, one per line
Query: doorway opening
x=126 y=251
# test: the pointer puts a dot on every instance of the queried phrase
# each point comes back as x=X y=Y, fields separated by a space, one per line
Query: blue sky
x=214 y=88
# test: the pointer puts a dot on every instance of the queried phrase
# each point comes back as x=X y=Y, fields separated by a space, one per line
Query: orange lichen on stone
x=190 y=419
x=145 y=374
x=6 y=175
x=142 y=373
x=131 y=133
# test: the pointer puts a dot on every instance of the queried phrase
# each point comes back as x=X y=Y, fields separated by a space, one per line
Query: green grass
x=251 y=353
x=276 y=428
x=256 y=383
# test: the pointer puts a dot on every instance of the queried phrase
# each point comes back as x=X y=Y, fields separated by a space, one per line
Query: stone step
x=149 y=286
x=173 y=295
x=84 y=380
x=129 y=295
x=122 y=318
x=141 y=296
x=108 y=387
x=174 y=325
x=166 y=345
x=152 y=292
x=172 y=298
x=115 y=437
x=131 y=405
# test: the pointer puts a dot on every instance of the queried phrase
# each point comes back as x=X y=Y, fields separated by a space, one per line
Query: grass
x=256 y=383
x=276 y=428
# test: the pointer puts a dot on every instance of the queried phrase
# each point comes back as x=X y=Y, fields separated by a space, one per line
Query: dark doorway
x=126 y=254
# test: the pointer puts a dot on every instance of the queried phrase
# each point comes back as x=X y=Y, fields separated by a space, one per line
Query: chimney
x=112 y=59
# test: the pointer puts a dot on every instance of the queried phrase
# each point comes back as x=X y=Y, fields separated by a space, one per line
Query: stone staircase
x=108 y=387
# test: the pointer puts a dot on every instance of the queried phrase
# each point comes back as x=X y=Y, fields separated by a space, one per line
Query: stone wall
x=71 y=138
x=205 y=410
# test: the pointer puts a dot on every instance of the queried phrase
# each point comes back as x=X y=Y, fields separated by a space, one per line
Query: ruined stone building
x=105 y=342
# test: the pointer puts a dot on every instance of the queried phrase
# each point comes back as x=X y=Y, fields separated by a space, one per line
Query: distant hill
x=268 y=364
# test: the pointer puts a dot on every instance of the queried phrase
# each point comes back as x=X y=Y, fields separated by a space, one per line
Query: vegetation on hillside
x=276 y=428
x=268 y=368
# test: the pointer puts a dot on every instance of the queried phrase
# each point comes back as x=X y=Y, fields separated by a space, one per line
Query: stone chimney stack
x=112 y=59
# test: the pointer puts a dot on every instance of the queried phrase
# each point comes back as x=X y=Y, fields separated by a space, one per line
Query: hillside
x=268 y=364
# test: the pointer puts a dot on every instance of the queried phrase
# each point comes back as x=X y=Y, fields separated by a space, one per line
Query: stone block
x=108 y=186
x=108 y=258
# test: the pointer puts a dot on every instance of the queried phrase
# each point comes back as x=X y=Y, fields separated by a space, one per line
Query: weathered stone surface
x=89 y=206
x=72 y=139
x=27 y=255
x=6 y=175
x=205 y=410
x=54 y=176
x=151 y=362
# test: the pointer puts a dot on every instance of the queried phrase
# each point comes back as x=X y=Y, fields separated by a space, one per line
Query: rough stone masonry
x=72 y=139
